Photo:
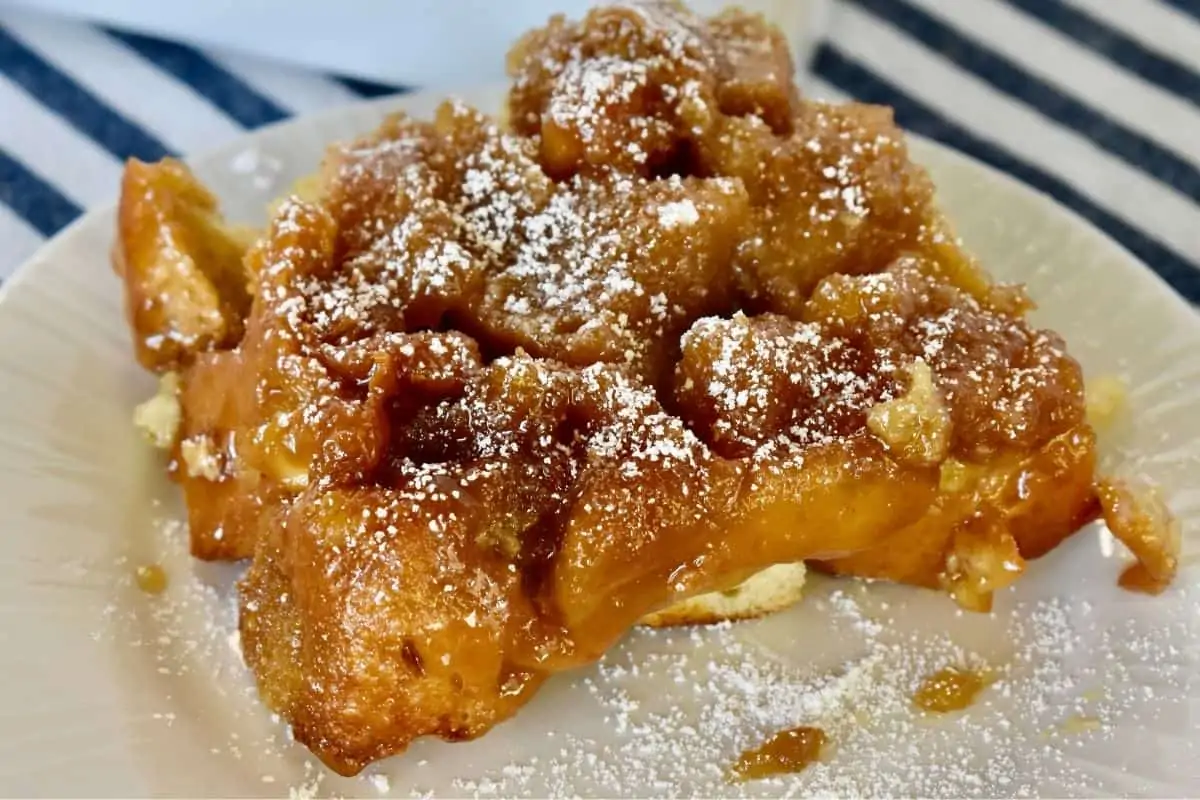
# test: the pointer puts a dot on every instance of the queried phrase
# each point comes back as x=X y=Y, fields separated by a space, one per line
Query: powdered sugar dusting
x=678 y=214
x=732 y=686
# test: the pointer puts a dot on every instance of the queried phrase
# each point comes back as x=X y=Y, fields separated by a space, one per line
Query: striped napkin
x=1094 y=102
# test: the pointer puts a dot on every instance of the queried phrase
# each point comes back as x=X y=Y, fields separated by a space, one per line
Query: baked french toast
x=489 y=395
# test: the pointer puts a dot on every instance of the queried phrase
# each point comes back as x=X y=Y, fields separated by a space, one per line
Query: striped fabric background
x=1095 y=102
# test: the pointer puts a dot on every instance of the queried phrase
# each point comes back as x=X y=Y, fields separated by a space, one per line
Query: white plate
x=106 y=691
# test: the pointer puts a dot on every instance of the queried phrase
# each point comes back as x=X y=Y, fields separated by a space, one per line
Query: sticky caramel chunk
x=606 y=93
x=787 y=751
x=754 y=69
x=616 y=272
x=992 y=382
x=747 y=382
x=1138 y=517
x=371 y=617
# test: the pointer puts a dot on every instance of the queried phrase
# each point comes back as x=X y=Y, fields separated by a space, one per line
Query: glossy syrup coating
x=151 y=579
x=493 y=395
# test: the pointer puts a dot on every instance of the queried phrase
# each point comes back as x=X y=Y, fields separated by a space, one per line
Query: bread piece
x=181 y=265
x=773 y=589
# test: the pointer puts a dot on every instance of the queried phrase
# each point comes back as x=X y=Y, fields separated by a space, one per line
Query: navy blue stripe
x=365 y=88
x=33 y=199
x=223 y=89
x=855 y=79
x=1129 y=53
x=1186 y=6
x=1014 y=81
x=74 y=104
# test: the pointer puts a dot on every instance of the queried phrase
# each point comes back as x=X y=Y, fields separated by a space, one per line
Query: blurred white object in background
x=407 y=42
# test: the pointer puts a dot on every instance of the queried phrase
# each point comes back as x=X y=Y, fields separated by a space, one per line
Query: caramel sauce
x=787 y=751
x=1136 y=578
x=151 y=578
x=949 y=689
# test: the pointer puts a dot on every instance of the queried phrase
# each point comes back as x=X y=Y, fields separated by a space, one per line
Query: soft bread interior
x=773 y=589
